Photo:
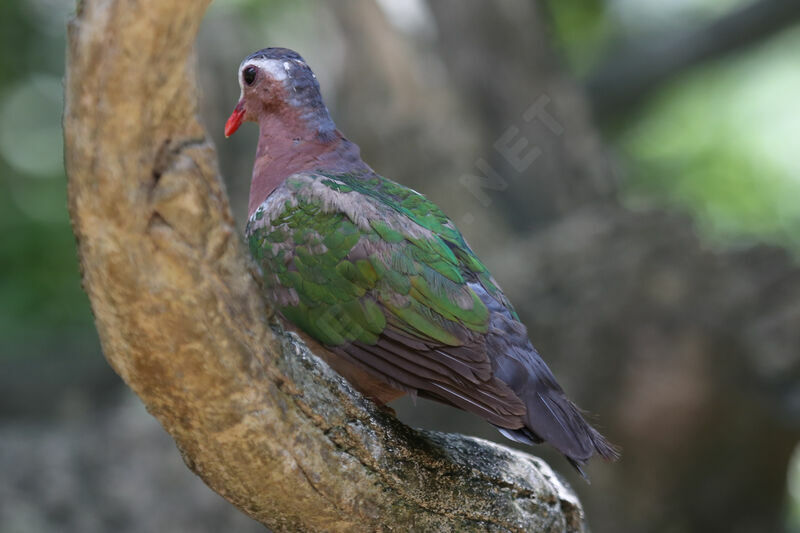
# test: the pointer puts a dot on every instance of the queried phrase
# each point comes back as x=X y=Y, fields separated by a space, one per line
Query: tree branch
x=180 y=316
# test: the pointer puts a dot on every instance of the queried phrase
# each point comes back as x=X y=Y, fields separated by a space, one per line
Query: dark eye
x=249 y=75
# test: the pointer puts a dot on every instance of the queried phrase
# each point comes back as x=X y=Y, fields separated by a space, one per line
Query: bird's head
x=277 y=82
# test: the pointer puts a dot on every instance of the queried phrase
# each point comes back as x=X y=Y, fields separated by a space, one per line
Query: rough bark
x=180 y=316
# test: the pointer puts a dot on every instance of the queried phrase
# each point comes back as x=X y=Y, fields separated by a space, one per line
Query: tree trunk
x=181 y=318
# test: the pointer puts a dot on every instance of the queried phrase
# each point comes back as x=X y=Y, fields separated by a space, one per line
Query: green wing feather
x=416 y=283
x=376 y=271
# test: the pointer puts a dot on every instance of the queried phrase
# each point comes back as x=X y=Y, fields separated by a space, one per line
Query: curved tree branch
x=180 y=316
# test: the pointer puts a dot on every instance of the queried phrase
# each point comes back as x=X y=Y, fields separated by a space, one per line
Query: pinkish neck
x=288 y=147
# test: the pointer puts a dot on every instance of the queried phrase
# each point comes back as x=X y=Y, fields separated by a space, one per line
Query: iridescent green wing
x=377 y=273
x=427 y=215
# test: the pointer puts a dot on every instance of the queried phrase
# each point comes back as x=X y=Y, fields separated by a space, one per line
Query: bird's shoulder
x=377 y=204
x=335 y=236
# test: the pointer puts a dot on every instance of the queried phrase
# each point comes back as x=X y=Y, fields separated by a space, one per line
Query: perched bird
x=380 y=278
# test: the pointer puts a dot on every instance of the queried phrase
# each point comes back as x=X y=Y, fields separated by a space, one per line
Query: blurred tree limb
x=628 y=75
x=180 y=317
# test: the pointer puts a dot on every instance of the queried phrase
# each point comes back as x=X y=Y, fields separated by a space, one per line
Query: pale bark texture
x=181 y=318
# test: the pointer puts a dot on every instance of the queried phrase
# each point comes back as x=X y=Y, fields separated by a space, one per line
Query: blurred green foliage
x=719 y=142
x=582 y=30
x=793 y=522
x=722 y=142
x=39 y=283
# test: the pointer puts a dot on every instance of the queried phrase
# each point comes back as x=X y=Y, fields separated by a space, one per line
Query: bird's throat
x=288 y=145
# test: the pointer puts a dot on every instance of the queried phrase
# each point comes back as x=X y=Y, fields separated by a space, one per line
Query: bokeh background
x=649 y=238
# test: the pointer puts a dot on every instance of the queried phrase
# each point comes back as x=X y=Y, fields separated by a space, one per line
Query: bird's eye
x=249 y=75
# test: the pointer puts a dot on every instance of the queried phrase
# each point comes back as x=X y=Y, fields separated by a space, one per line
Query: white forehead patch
x=275 y=68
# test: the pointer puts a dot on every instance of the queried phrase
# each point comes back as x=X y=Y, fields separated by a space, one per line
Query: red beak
x=235 y=120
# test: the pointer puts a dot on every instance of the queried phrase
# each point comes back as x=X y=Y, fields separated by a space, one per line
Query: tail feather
x=553 y=418
x=550 y=415
x=557 y=420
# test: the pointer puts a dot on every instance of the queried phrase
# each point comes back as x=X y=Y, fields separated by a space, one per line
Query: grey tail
x=550 y=416
x=555 y=419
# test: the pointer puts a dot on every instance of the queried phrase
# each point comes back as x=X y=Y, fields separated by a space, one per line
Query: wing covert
x=361 y=275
